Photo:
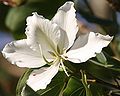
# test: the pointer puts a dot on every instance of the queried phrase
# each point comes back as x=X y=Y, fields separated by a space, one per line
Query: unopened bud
x=12 y=3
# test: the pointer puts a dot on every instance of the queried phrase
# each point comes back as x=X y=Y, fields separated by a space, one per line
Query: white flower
x=52 y=42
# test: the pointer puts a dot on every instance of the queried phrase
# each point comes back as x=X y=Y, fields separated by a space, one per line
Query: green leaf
x=101 y=58
x=22 y=82
x=74 y=88
x=99 y=72
x=114 y=62
x=107 y=61
x=106 y=65
x=94 y=68
x=107 y=76
x=99 y=90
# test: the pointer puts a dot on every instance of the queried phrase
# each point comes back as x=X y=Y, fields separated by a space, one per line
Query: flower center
x=57 y=57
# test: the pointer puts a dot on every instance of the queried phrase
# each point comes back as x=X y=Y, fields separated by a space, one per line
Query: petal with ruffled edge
x=40 y=78
x=87 y=46
x=19 y=53
x=41 y=31
x=65 y=18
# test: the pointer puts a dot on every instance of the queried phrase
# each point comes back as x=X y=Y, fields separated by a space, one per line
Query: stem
x=85 y=84
x=107 y=84
x=61 y=92
x=103 y=83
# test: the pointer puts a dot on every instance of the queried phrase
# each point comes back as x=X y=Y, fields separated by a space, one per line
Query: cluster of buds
x=12 y=3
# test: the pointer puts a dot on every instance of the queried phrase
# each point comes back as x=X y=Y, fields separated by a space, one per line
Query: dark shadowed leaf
x=98 y=90
x=22 y=82
x=74 y=88
x=107 y=61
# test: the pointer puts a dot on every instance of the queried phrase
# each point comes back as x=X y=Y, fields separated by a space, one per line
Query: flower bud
x=13 y=3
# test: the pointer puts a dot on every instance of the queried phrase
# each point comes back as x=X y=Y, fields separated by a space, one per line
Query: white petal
x=19 y=53
x=81 y=41
x=41 y=31
x=63 y=43
x=87 y=46
x=40 y=78
x=65 y=18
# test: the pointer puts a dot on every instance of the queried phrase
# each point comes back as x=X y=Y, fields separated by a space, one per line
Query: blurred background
x=100 y=16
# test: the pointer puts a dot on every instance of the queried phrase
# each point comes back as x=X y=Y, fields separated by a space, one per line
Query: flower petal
x=65 y=18
x=86 y=46
x=63 y=42
x=19 y=53
x=41 y=31
x=40 y=78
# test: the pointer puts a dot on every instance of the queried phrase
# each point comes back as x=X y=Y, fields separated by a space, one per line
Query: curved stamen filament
x=48 y=62
x=61 y=61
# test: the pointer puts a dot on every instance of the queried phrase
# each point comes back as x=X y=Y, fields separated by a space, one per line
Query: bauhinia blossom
x=53 y=42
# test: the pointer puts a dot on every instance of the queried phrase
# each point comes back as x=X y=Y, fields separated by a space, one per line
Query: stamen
x=49 y=63
x=52 y=53
x=64 y=67
x=64 y=57
x=40 y=49
x=58 y=49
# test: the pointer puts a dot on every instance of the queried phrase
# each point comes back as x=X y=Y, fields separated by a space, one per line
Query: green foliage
x=22 y=82
x=74 y=87
x=93 y=81
x=2 y=16
x=101 y=58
